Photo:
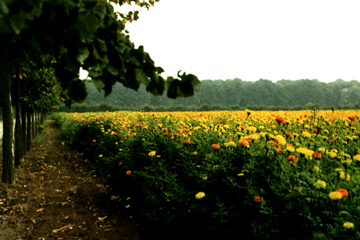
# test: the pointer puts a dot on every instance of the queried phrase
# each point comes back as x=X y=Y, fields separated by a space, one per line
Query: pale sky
x=253 y=39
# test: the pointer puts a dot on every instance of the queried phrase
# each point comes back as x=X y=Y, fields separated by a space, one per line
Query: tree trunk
x=8 y=171
x=23 y=126
x=28 y=132
x=33 y=129
x=18 y=138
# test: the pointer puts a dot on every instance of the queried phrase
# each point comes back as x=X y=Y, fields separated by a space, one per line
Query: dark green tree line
x=237 y=94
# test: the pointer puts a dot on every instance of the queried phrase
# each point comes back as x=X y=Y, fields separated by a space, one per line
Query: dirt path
x=56 y=196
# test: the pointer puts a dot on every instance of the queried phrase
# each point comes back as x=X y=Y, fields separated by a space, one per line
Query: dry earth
x=57 y=196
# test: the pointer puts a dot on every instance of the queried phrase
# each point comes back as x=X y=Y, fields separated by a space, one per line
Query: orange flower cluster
x=215 y=146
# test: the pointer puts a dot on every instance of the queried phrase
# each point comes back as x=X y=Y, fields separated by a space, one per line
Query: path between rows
x=57 y=196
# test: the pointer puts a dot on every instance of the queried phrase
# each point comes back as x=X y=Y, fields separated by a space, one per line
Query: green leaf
x=111 y=69
x=100 y=9
x=3 y=8
x=17 y=23
x=83 y=55
x=98 y=84
x=141 y=77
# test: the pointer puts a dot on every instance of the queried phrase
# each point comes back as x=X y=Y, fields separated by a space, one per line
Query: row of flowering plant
x=268 y=175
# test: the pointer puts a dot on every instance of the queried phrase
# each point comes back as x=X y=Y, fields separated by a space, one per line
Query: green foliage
x=248 y=191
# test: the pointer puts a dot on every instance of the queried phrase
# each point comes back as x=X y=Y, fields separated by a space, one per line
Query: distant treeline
x=233 y=94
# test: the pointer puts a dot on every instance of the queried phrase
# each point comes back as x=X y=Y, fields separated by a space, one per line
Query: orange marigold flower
x=315 y=130
x=94 y=140
x=128 y=172
x=288 y=134
x=317 y=155
x=186 y=142
x=352 y=118
x=215 y=146
x=243 y=142
x=279 y=120
x=292 y=159
x=120 y=163
x=343 y=192
x=258 y=199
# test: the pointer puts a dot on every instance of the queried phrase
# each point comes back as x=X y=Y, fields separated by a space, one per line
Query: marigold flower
x=128 y=172
x=352 y=118
x=288 y=134
x=251 y=129
x=306 y=152
x=348 y=225
x=230 y=144
x=306 y=134
x=292 y=159
x=215 y=146
x=186 y=142
x=320 y=183
x=357 y=157
x=152 y=153
x=280 y=139
x=200 y=195
x=100 y=155
x=94 y=140
x=290 y=148
x=120 y=163
x=258 y=199
x=344 y=192
x=317 y=155
x=243 y=142
x=335 y=195
x=279 y=120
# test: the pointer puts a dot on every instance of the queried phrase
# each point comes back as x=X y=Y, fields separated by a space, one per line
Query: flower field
x=263 y=174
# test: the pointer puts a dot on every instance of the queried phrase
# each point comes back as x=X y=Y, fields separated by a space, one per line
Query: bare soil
x=57 y=196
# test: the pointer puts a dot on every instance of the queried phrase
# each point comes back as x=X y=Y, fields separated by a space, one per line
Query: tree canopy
x=87 y=34
x=52 y=39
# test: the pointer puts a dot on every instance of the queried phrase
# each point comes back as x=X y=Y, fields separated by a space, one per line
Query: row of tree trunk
x=17 y=141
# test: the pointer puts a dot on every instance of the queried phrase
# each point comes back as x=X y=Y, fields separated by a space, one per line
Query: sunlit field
x=263 y=174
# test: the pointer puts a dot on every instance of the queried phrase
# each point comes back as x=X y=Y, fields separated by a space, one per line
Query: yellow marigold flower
x=290 y=148
x=321 y=150
x=230 y=144
x=342 y=175
x=320 y=183
x=194 y=153
x=100 y=156
x=200 y=195
x=306 y=134
x=254 y=136
x=251 y=129
x=348 y=225
x=306 y=152
x=332 y=154
x=335 y=195
x=347 y=177
x=152 y=153
x=357 y=157
x=280 y=139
